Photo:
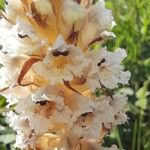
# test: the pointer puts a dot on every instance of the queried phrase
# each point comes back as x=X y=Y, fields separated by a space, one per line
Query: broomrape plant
x=51 y=74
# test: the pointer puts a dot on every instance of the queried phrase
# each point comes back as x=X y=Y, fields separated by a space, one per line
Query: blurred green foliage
x=132 y=33
x=2 y=4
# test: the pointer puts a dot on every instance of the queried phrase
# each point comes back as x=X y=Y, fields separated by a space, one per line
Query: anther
x=101 y=62
x=22 y=36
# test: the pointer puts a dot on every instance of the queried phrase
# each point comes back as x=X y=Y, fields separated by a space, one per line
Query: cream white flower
x=28 y=110
x=13 y=8
x=43 y=7
x=50 y=74
x=62 y=62
x=7 y=40
x=73 y=13
x=20 y=124
x=98 y=20
x=25 y=29
x=109 y=70
x=11 y=65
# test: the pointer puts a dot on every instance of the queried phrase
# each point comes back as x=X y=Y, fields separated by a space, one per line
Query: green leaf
x=3 y=147
x=2 y=4
x=98 y=93
x=7 y=138
x=2 y=101
x=142 y=94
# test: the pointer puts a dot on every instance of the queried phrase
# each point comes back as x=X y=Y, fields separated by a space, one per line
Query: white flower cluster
x=51 y=75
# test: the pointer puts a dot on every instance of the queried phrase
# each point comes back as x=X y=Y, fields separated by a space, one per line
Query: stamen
x=81 y=137
x=78 y=1
x=42 y=103
x=22 y=36
x=57 y=53
x=85 y=114
x=73 y=37
x=107 y=90
x=66 y=53
x=101 y=62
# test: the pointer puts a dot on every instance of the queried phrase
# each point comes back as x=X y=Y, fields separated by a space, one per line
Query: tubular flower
x=51 y=74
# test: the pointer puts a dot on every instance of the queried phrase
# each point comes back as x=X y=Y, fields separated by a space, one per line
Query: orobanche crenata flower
x=59 y=87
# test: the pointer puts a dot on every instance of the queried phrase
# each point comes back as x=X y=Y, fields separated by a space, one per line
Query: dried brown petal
x=26 y=67
x=67 y=84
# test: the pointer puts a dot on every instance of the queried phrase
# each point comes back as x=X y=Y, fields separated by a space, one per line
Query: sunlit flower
x=62 y=62
x=50 y=74
x=106 y=67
